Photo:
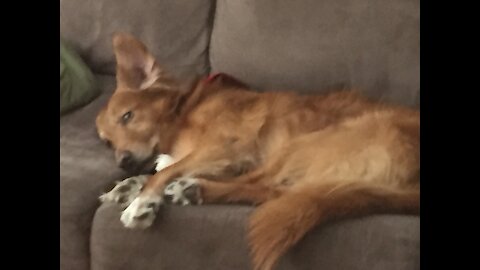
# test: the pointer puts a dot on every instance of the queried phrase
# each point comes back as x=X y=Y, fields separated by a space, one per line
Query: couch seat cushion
x=213 y=237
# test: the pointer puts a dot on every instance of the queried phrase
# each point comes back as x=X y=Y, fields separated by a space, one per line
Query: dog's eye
x=126 y=117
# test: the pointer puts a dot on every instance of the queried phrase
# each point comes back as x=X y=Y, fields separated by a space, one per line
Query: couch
x=305 y=45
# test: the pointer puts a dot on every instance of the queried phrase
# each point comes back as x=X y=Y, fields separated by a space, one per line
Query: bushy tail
x=280 y=223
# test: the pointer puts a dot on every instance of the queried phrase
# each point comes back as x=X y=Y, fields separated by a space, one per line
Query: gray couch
x=306 y=45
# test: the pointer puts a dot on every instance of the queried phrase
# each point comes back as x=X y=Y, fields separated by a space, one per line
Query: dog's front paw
x=141 y=212
x=125 y=191
x=184 y=191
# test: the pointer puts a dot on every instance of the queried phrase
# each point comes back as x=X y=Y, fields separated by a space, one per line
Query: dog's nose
x=125 y=159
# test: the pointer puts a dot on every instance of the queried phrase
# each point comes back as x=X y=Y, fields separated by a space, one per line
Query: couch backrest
x=305 y=45
x=176 y=31
x=314 y=45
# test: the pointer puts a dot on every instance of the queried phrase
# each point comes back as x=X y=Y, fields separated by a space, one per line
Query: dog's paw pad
x=184 y=191
x=141 y=212
x=193 y=193
x=125 y=191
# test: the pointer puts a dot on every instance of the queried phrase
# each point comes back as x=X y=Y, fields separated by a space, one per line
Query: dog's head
x=139 y=120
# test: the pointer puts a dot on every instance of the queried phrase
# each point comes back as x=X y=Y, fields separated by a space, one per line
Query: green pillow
x=77 y=84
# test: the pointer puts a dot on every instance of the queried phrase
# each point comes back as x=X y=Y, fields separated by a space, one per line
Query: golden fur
x=305 y=159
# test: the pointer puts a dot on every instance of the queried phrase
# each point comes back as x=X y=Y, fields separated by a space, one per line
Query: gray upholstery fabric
x=213 y=237
x=177 y=32
x=303 y=45
x=86 y=170
x=311 y=45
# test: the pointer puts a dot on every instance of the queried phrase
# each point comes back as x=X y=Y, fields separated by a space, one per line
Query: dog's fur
x=305 y=159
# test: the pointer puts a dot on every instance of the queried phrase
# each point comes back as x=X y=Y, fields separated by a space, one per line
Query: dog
x=304 y=160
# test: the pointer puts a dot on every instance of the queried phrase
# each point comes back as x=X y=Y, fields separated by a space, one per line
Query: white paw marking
x=163 y=161
x=177 y=188
x=142 y=211
x=125 y=191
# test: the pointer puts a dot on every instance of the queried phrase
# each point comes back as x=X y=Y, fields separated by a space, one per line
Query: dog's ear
x=137 y=69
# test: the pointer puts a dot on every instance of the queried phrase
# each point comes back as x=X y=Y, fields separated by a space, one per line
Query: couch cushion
x=177 y=32
x=312 y=45
x=86 y=170
x=213 y=237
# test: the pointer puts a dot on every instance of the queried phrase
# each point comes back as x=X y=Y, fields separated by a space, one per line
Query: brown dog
x=305 y=159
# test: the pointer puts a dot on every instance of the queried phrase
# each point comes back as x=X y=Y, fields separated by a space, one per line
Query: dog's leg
x=198 y=191
x=254 y=187
x=127 y=190
x=247 y=188
x=141 y=212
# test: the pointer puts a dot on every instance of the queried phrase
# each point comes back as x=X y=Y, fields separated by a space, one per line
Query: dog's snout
x=125 y=159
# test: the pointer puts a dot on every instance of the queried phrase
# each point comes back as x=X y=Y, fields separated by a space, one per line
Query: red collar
x=224 y=79
x=210 y=78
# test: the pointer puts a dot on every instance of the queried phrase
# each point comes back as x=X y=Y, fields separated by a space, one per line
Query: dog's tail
x=279 y=224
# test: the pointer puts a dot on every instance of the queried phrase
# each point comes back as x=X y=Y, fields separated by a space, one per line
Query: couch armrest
x=86 y=170
x=214 y=237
